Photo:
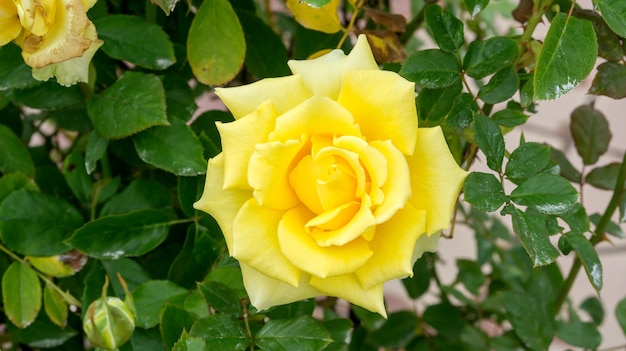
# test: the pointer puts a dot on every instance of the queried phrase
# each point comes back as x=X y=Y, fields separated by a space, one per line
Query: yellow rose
x=56 y=37
x=325 y=185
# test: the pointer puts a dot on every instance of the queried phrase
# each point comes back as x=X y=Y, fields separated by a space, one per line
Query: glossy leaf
x=221 y=332
x=189 y=343
x=316 y=3
x=548 y=193
x=591 y=133
x=475 y=6
x=463 y=110
x=220 y=297
x=614 y=13
x=501 y=86
x=609 y=45
x=216 y=45
x=76 y=176
x=55 y=306
x=173 y=322
x=151 y=296
x=567 y=170
x=433 y=105
x=534 y=329
x=115 y=236
x=397 y=331
x=140 y=194
x=610 y=81
x=489 y=56
x=14 y=72
x=484 y=191
x=340 y=331
x=132 y=39
x=446 y=29
x=195 y=259
x=36 y=224
x=179 y=97
x=566 y=58
x=490 y=141
x=160 y=146
x=418 y=284
x=576 y=218
x=527 y=160
x=582 y=334
x=533 y=235
x=510 y=117
x=166 y=5
x=14 y=156
x=21 y=294
x=95 y=149
x=134 y=103
x=588 y=256
x=433 y=69
x=300 y=333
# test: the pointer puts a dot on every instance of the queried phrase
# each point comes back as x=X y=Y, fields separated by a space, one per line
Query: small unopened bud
x=109 y=322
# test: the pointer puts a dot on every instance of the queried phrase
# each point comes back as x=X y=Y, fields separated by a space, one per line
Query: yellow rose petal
x=239 y=139
x=349 y=288
x=304 y=183
x=284 y=92
x=10 y=26
x=383 y=105
x=362 y=221
x=324 y=75
x=397 y=188
x=340 y=177
x=265 y=292
x=393 y=247
x=222 y=204
x=302 y=250
x=436 y=179
x=255 y=242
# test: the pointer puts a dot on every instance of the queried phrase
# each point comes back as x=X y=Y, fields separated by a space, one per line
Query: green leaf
x=501 y=86
x=43 y=334
x=548 y=193
x=291 y=310
x=489 y=56
x=300 y=333
x=132 y=39
x=229 y=275
x=490 y=140
x=95 y=149
x=470 y=275
x=161 y=147
x=189 y=190
x=221 y=332
x=189 y=343
x=397 y=331
x=316 y=3
x=140 y=194
x=567 y=170
x=609 y=45
x=475 y=339
x=56 y=308
x=173 y=322
x=115 y=236
x=166 y=5
x=610 y=81
x=566 y=58
x=434 y=104
x=576 y=218
x=76 y=176
x=593 y=306
x=179 y=97
x=445 y=319
x=151 y=296
x=620 y=314
x=134 y=103
x=527 y=160
x=612 y=228
x=582 y=334
x=340 y=331
x=14 y=72
x=48 y=96
x=509 y=117
x=15 y=181
x=21 y=294
x=588 y=256
x=216 y=44
x=484 y=191
x=474 y=7
x=433 y=69
x=445 y=28
x=463 y=110
x=614 y=13
x=533 y=235
x=418 y=284
x=534 y=329
x=195 y=259
x=36 y=224
x=14 y=156
x=220 y=297
x=132 y=273
x=591 y=133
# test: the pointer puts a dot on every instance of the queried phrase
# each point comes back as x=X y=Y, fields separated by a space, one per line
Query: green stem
x=348 y=30
x=539 y=9
x=150 y=12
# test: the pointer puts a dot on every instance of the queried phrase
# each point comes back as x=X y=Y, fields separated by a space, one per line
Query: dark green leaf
x=470 y=275
x=151 y=296
x=132 y=39
x=73 y=117
x=614 y=13
x=229 y=275
x=620 y=313
x=527 y=160
x=474 y=339
x=396 y=332
x=291 y=310
x=445 y=28
x=484 y=191
x=567 y=170
x=132 y=273
x=588 y=256
x=501 y=86
x=14 y=72
x=216 y=44
x=95 y=149
x=161 y=147
x=166 y=5
x=489 y=56
x=418 y=284
x=534 y=329
x=591 y=133
x=509 y=118
x=300 y=333
x=21 y=294
x=42 y=334
x=434 y=104
x=583 y=334
x=463 y=110
x=179 y=98
x=36 y=224
x=134 y=103
x=76 y=176
x=172 y=323
x=445 y=319
x=14 y=156
x=15 y=181
x=141 y=194
x=533 y=235
x=195 y=259
x=145 y=340
x=189 y=343
x=221 y=332
x=433 y=69
x=548 y=193
x=116 y=236
x=609 y=45
x=189 y=190
x=610 y=81
x=576 y=218
x=475 y=6
x=612 y=228
x=48 y=96
x=340 y=331
x=566 y=58
x=490 y=140
x=593 y=306
x=220 y=297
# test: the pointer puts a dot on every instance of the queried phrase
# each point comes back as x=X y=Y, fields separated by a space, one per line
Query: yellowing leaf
x=324 y=19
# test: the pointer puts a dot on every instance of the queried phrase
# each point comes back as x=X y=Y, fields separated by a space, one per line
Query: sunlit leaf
x=614 y=13
x=21 y=294
x=324 y=18
x=588 y=256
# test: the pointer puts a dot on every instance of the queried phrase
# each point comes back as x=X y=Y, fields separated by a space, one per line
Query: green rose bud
x=109 y=322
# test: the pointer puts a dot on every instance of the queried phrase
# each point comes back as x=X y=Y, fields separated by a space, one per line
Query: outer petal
x=397 y=188
x=10 y=26
x=255 y=243
x=285 y=93
x=383 y=105
x=349 y=288
x=393 y=247
x=302 y=250
x=266 y=292
x=436 y=179
x=239 y=139
x=324 y=75
x=222 y=204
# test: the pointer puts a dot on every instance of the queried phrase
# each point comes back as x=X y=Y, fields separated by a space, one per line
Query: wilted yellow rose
x=56 y=37
x=325 y=185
